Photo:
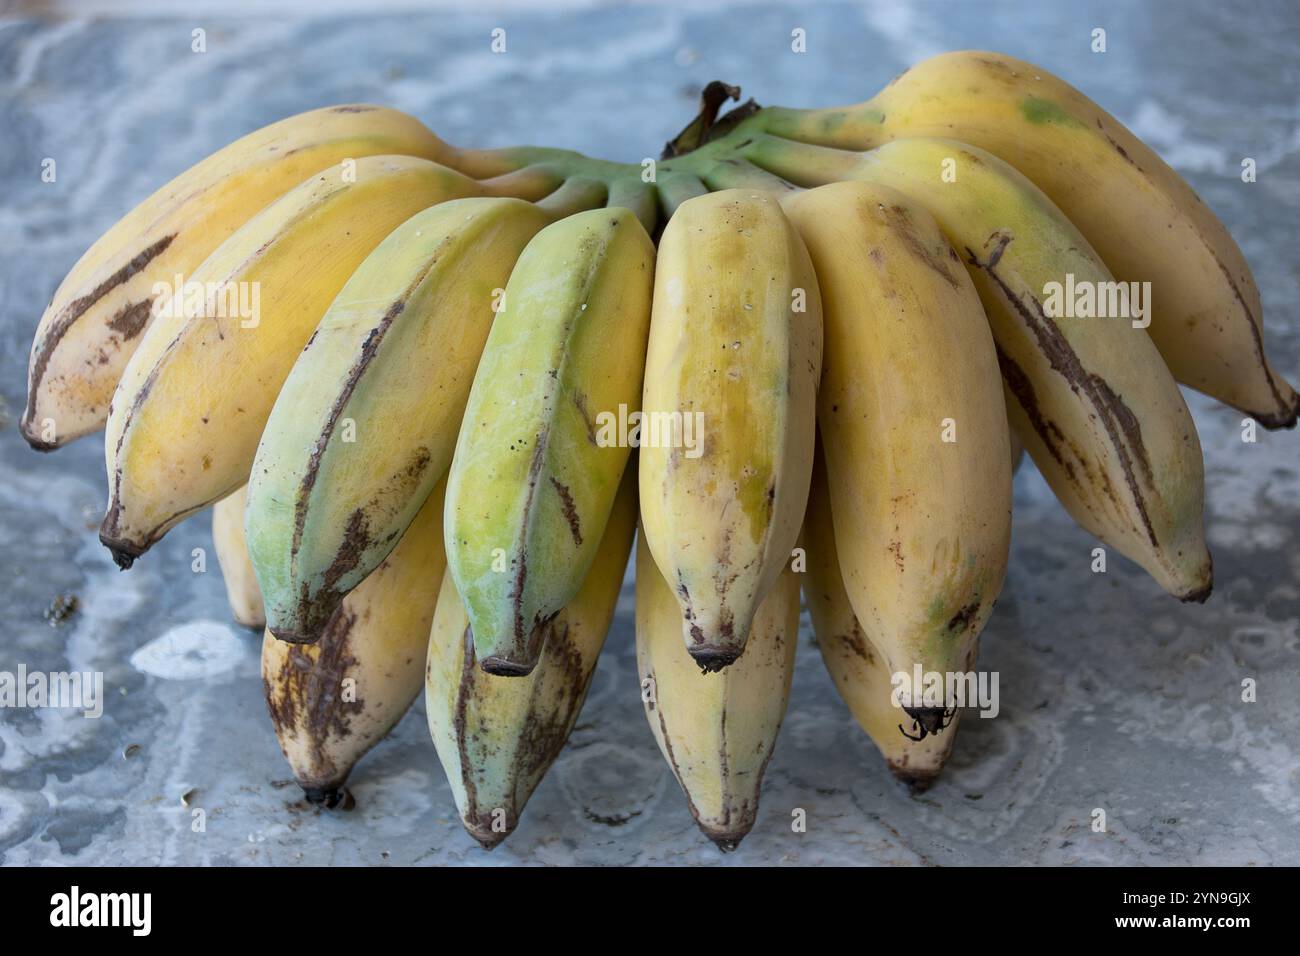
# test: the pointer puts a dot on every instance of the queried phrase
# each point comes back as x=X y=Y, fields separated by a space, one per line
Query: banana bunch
x=410 y=380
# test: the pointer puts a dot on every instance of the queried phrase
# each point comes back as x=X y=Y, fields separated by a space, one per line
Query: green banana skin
x=365 y=425
x=531 y=478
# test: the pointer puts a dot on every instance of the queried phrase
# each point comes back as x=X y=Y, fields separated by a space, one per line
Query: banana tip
x=331 y=798
x=123 y=552
x=727 y=841
x=918 y=780
x=713 y=659
x=503 y=667
x=1199 y=595
x=291 y=636
x=35 y=440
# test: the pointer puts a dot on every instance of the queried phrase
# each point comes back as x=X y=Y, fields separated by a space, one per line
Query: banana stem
x=578 y=194
x=637 y=196
x=740 y=173
x=531 y=183
x=800 y=163
x=674 y=188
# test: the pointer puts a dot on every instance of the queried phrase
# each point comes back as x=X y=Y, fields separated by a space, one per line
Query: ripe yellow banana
x=539 y=457
x=716 y=730
x=913 y=426
x=497 y=736
x=915 y=744
x=232 y=555
x=100 y=311
x=730 y=393
x=332 y=701
x=366 y=421
x=1091 y=398
x=190 y=407
x=1145 y=221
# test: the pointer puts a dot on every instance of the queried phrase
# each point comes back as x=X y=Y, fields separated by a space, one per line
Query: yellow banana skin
x=366 y=421
x=1141 y=216
x=860 y=671
x=1091 y=398
x=190 y=408
x=242 y=592
x=729 y=351
x=537 y=465
x=716 y=730
x=332 y=701
x=101 y=310
x=497 y=736
x=913 y=425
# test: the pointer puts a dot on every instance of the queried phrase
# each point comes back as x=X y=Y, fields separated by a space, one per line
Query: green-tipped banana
x=538 y=461
x=365 y=424
x=497 y=736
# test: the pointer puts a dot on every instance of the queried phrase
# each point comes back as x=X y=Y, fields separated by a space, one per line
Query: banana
x=232 y=555
x=497 y=736
x=332 y=701
x=1141 y=216
x=538 y=462
x=716 y=730
x=915 y=743
x=101 y=310
x=913 y=425
x=733 y=361
x=1091 y=398
x=188 y=412
x=366 y=421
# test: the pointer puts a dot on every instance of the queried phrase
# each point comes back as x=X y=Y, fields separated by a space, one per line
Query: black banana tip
x=501 y=667
x=713 y=659
x=331 y=798
x=124 y=554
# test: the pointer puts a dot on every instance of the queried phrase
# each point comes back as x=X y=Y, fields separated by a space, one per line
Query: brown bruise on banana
x=127 y=323
x=305 y=701
x=1287 y=412
x=1123 y=430
x=314 y=610
x=542 y=737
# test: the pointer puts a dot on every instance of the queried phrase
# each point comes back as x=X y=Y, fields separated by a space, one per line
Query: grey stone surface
x=1112 y=695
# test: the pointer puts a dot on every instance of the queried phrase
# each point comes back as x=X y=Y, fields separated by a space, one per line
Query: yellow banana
x=913 y=426
x=497 y=736
x=730 y=389
x=97 y=317
x=915 y=743
x=716 y=730
x=232 y=555
x=1142 y=217
x=539 y=457
x=190 y=407
x=332 y=701
x=366 y=421
x=1094 y=404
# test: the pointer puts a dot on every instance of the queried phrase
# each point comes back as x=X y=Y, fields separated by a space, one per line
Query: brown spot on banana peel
x=480 y=827
x=1122 y=427
x=905 y=229
x=68 y=317
x=570 y=511
x=580 y=403
x=964 y=617
x=308 y=702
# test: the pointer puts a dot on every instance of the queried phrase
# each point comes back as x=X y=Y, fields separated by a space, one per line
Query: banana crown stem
x=746 y=147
